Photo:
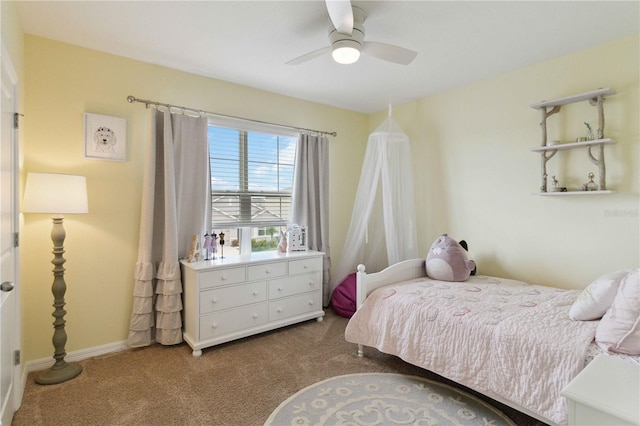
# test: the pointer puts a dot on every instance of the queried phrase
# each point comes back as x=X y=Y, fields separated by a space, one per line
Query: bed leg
x=360 y=351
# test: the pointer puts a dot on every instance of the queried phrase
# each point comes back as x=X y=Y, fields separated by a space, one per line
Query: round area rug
x=384 y=399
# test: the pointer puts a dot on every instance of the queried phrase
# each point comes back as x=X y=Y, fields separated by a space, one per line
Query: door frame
x=6 y=67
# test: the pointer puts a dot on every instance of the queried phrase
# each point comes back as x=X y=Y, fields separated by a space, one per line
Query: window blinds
x=251 y=176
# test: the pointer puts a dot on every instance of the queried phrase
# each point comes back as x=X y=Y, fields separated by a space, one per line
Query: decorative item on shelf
x=556 y=185
x=590 y=185
x=221 y=235
x=590 y=135
x=57 y=194
x=296 y=238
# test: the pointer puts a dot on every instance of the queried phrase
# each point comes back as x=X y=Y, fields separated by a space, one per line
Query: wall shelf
x=587 y=96
x=575 y=193
x=548 y=108
x=573 y=145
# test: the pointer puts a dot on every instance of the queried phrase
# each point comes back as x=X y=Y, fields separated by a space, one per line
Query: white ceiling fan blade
x=309 y=56
x=341 y=15
x=389 y=52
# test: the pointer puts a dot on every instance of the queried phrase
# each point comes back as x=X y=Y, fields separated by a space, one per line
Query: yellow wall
x=473 y=169
x=475 y=173
x=63 y=82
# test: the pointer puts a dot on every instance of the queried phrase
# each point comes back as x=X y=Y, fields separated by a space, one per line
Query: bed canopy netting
x=382 y=230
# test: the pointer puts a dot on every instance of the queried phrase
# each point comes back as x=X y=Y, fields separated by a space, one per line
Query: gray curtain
x=311 y=198
x=175 y=205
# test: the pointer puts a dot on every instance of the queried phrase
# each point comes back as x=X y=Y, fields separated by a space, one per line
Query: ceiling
x=248 y=42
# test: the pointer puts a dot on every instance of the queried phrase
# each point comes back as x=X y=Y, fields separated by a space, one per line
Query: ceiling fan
x=346 y=39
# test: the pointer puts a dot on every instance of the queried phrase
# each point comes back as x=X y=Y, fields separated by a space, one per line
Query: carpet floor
x=238 y=383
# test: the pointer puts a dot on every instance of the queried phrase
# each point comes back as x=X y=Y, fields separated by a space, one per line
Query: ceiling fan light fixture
x=346 y=51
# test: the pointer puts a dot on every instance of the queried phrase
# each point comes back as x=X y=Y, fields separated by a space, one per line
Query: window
x=251 y=182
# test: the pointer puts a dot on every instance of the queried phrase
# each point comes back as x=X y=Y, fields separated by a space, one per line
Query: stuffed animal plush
x=447 y=260
x=464 y=245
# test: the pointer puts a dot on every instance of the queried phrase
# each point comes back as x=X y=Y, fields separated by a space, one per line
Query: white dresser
x=235 y=297
x=606 y=392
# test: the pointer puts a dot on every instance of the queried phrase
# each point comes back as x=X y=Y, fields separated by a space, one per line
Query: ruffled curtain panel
x=175 y=205
x=310 y=205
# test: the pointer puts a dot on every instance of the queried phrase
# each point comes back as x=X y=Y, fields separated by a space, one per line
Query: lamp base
x=58 y=374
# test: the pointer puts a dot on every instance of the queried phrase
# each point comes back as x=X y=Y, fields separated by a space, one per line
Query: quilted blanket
x=501 y=337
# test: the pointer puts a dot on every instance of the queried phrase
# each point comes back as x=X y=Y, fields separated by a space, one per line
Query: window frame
x=245 y=197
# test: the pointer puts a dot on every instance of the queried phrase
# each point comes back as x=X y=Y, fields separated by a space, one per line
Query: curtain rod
x=132 y=99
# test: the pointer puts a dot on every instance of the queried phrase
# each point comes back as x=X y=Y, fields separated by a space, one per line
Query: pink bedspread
x=500 y=337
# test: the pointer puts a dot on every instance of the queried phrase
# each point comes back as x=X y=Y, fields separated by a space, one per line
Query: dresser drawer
x=289 y=286
x=219 y=277
x=297 y=305
x=218 y=299
x=304 y=266
x=226 y=322
x=266 y=271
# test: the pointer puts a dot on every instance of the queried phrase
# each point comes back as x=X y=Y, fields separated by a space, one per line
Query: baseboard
x=42 y=364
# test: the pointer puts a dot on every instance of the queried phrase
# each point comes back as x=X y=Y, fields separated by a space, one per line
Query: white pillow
x=594 y=300
x=619 y=329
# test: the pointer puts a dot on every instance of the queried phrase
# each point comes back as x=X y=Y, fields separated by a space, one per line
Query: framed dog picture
x=105 y=137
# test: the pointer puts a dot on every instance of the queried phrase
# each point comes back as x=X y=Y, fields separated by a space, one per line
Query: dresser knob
x=223 y=278
x=279 y=288
x=279 y=310
x=255 y=316
x=311 y=283
x=267 y=272
x=305 y=267
x=214 y=325
x=255 y=293
x=214 y=300
x=310 y=302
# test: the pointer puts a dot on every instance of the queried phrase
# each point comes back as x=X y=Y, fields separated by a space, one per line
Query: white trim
x=16 y=392
x=8 y=65
x=44 y=363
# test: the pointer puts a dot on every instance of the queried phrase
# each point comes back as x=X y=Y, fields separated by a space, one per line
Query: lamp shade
x=55 y=194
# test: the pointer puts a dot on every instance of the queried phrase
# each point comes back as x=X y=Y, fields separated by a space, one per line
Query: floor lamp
x=57 y=194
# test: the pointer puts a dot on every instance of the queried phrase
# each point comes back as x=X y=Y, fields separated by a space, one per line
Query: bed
x=509 y=340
